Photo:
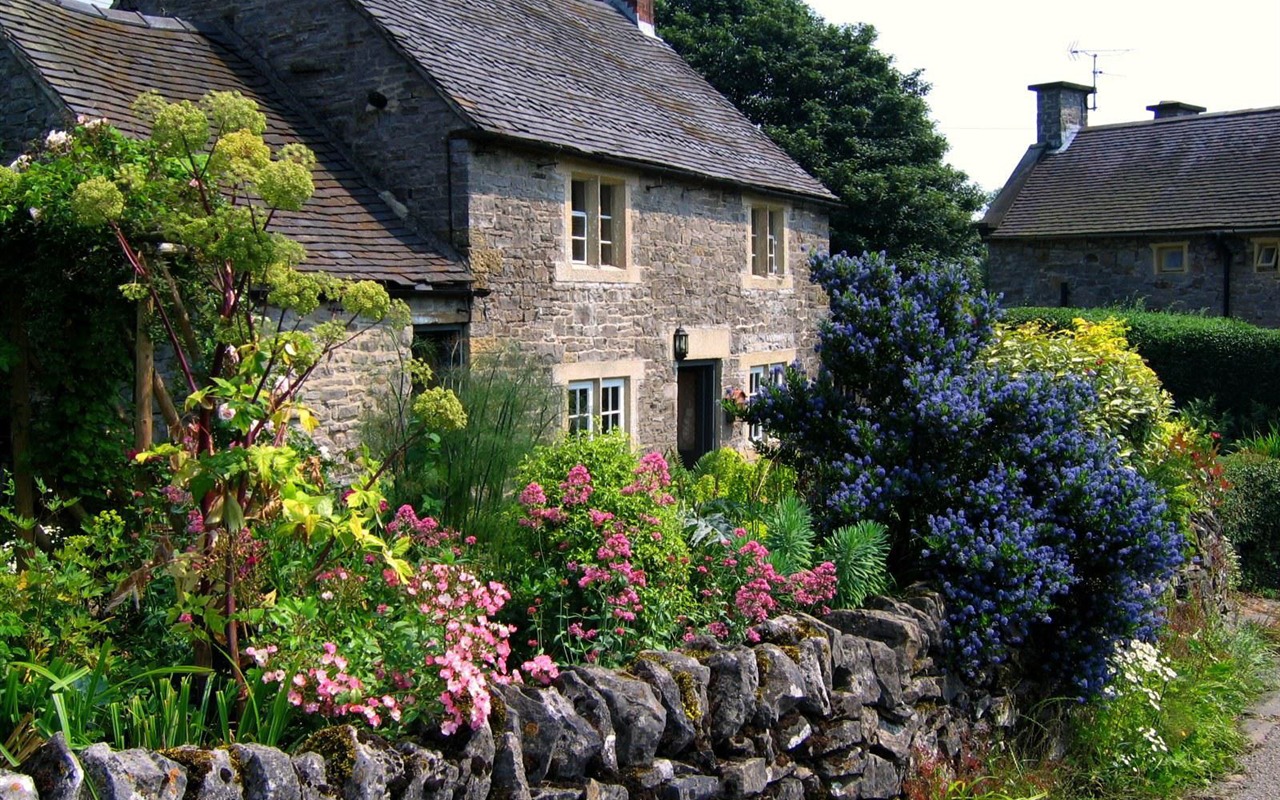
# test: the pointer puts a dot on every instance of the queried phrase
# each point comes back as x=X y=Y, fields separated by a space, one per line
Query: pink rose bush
x=434 y=647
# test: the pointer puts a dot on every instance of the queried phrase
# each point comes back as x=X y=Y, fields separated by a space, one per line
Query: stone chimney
x=1172 y=108
x=1062 y=109
x=641 y=12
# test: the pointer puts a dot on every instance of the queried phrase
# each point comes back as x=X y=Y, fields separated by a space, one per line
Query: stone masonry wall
x=838 y=708
x=688 y=248
x=1108 y=271
x=28 y=110
x=348 y=75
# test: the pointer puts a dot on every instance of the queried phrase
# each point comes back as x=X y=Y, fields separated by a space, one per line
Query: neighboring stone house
x=1179 y=212
x=569 y=184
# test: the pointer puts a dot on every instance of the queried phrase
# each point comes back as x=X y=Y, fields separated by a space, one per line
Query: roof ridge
x=1188 y=118
x=133 y=18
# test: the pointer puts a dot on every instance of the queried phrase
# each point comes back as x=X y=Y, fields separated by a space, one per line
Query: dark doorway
x=696 y=405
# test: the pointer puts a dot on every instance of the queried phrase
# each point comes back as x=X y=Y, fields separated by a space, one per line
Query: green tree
x=843 y=111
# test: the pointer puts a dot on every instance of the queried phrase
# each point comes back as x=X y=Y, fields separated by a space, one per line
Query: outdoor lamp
x=680 y=344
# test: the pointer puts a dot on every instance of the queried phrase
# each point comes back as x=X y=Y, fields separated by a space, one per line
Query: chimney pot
x=1062 y=109
x=1172 y=108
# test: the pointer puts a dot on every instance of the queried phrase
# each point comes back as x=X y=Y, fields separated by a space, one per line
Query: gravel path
x=1259 y=774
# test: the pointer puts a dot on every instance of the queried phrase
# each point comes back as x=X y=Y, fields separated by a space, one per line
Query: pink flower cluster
x=475 y=647
x=329 y=693
x=425 y=531
x=541 y=668
x=576 y=488
x=652 y=477
x=534 y=500
x=757 y=589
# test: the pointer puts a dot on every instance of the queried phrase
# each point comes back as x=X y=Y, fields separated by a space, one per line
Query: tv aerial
x=1075 y=51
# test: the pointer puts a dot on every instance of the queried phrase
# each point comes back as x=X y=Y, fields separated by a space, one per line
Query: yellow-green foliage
x=1131 y=402
x=725 y=474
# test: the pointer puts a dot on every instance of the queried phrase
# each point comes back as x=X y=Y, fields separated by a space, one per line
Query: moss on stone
x=688 y=694
x=337 y=746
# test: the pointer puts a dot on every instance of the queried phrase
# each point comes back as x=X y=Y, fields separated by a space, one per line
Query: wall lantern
x=680 y=344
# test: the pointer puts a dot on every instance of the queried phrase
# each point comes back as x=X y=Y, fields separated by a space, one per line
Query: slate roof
x=580 y=75
x=98 y=61
x=1180 y=174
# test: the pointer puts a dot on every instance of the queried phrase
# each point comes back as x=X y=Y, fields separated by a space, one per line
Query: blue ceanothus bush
x=1049 y=548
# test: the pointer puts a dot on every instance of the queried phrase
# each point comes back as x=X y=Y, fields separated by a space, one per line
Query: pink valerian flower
x=541 y=669
x=813 y=587
x=576 y=488
x=533 y=496
x=195 y=521
x=599 y=518
x=425 y=531
x=719 y=630
x=616 y=546
x=576 y=630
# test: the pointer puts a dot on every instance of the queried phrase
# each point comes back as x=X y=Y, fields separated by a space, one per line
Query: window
x=440 y=346
x=597 y=405
x=1266 y=255
x=1170 y=257
x=763 y=375
x=768 y=253
x=596 y=222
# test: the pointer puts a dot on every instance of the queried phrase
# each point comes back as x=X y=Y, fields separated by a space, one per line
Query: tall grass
x=511 y=409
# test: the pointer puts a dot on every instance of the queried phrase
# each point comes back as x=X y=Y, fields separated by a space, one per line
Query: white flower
x=226 y=413
x=35 y=213
x=91 y=122
x=57 y=140
x=20 y=163
x=324 y=452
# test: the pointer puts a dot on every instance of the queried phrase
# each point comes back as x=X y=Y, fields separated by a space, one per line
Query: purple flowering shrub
x=1049 y=548
x=607 y=571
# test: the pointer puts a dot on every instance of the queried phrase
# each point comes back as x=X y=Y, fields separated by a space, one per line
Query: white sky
x=980 y=56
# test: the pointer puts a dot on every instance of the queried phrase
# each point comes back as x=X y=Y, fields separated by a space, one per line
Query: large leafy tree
x=842 y=110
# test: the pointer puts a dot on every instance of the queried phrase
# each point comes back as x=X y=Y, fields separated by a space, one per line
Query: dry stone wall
x=834 y=708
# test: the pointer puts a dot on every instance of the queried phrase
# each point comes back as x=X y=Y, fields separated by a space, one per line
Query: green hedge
x=1231 y=365
x=1250 y=517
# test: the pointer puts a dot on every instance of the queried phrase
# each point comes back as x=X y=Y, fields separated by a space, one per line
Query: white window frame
x=580 y=420
x=606 y=404
x=766 y=234
x=597 y=239
x=1161 y=250
x=1266 y=255
x=758 y=377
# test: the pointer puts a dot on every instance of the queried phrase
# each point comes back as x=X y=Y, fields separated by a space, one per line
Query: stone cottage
x=1180 y=212
x=550 y=176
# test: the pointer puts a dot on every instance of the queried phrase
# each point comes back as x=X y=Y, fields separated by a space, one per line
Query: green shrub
x=790 y=535
x=605 y=570
x=1251 y=517
x=1131 y=405
x=1229 y=366
x=860 y=552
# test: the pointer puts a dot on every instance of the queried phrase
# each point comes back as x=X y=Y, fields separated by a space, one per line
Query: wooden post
x=144 y=367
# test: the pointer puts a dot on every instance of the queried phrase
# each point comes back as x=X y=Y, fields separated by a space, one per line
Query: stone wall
x=1109 y=271
x=28 y=111
x=838 y=708
x=355 y=84
x=688 y=266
